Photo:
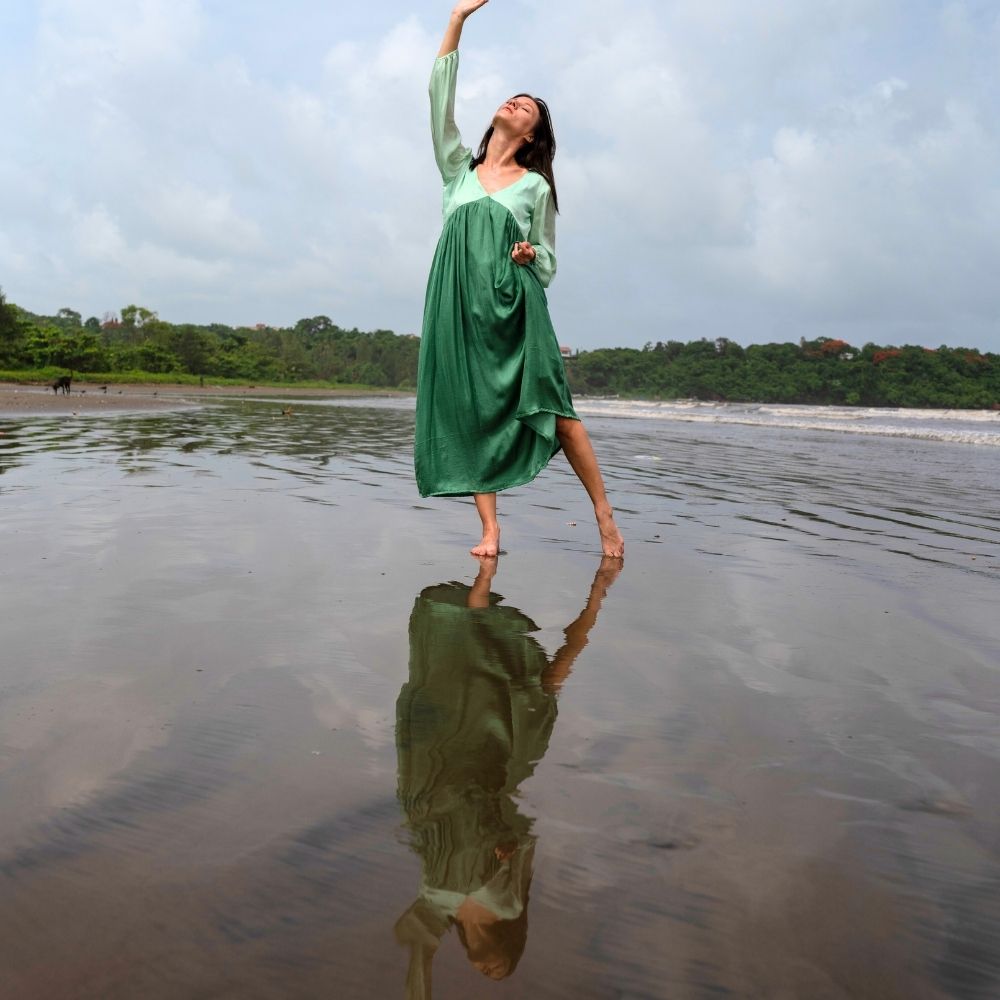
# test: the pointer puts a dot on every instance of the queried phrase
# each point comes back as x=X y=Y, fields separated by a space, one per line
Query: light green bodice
x=528 y=199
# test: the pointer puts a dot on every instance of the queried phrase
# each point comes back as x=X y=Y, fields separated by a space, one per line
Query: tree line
x=820 y=372
x=136 y=342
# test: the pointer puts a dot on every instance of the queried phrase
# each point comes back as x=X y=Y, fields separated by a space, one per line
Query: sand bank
x=93 y=397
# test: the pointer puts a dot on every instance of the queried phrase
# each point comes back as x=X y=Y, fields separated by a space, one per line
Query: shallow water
x=252 y=746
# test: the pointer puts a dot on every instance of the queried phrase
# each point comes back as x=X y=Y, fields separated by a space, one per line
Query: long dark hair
x=536 y=155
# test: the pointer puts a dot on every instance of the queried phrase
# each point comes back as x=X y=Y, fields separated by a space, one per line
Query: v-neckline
x=490 y=194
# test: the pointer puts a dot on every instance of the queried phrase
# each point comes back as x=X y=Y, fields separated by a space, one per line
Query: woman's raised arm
x=449 y=151
x=454 y=30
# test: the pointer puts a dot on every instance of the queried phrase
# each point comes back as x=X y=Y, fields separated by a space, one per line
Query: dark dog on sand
x=63 y=382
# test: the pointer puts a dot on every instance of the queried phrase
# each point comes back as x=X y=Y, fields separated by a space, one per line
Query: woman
x=492 y=402
x=473 y=720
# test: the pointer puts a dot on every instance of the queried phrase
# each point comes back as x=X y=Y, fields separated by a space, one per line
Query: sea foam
x=977 y=427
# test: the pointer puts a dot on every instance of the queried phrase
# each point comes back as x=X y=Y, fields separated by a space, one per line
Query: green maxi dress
x=472 y=722
x=491 y=380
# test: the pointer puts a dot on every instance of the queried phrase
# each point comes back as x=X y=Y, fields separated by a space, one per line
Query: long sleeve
x=448 y=149
x=542 y=235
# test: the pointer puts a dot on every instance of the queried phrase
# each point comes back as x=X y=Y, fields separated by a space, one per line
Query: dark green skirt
x=472 y=721
x=491 y=380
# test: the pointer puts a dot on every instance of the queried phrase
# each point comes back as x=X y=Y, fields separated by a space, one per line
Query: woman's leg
x=575 y=442
x=486 y=504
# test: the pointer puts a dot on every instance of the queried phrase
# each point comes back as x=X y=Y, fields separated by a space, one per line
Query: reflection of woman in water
x=492 y=401
x=472 y=722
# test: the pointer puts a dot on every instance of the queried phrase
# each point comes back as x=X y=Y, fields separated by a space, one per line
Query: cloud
x=84 y=39
x=862 y=207
x=759 y=171
x=187 y=216
x=98 y=236
x=189 y=184
x=871 y=220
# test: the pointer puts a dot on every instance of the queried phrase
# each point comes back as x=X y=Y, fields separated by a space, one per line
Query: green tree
x=193 y=348
x=68 y=319
x=134 y=321
x=11 y=332
x=135 y=317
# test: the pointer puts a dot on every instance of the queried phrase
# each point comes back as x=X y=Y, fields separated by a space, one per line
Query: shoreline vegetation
x=137 y=348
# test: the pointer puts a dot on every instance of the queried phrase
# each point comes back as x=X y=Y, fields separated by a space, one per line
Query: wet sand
x=91 y=397
x=768 y=770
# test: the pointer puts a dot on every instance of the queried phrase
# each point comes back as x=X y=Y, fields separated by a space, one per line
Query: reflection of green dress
x=491 y=379
x=471 y=723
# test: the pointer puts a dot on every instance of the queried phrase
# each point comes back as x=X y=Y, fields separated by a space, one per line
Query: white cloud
x=859 y=223
x=753 y=170
x=98 y=237
x=197 y=219
x=83 y=38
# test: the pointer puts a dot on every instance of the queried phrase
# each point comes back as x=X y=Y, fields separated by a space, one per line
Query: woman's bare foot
x=488 y=566
x=608 y=571
x=612 y=543
x=490 y=544
x=479 y=592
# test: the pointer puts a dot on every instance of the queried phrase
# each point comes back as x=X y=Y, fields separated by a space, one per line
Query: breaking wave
x=977 y=427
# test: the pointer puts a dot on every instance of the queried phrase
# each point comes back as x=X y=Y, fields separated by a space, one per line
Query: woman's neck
x=501 y=152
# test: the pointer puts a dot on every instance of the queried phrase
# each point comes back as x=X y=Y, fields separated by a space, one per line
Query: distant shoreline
x=87 y=396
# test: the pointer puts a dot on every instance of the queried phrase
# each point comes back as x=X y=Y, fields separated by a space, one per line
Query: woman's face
x=518 y=117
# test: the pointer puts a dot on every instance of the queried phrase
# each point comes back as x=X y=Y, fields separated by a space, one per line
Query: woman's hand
x=453 y=32
x=523 y=253
x=466 y=7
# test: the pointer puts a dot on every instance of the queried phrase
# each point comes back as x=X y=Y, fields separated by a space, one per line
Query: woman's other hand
x=523 y=253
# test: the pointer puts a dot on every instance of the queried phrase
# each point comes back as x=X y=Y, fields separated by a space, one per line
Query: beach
x=761 y=761
x=96 y=397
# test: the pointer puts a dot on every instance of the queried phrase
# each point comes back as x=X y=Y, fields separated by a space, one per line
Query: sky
x=761 y=170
